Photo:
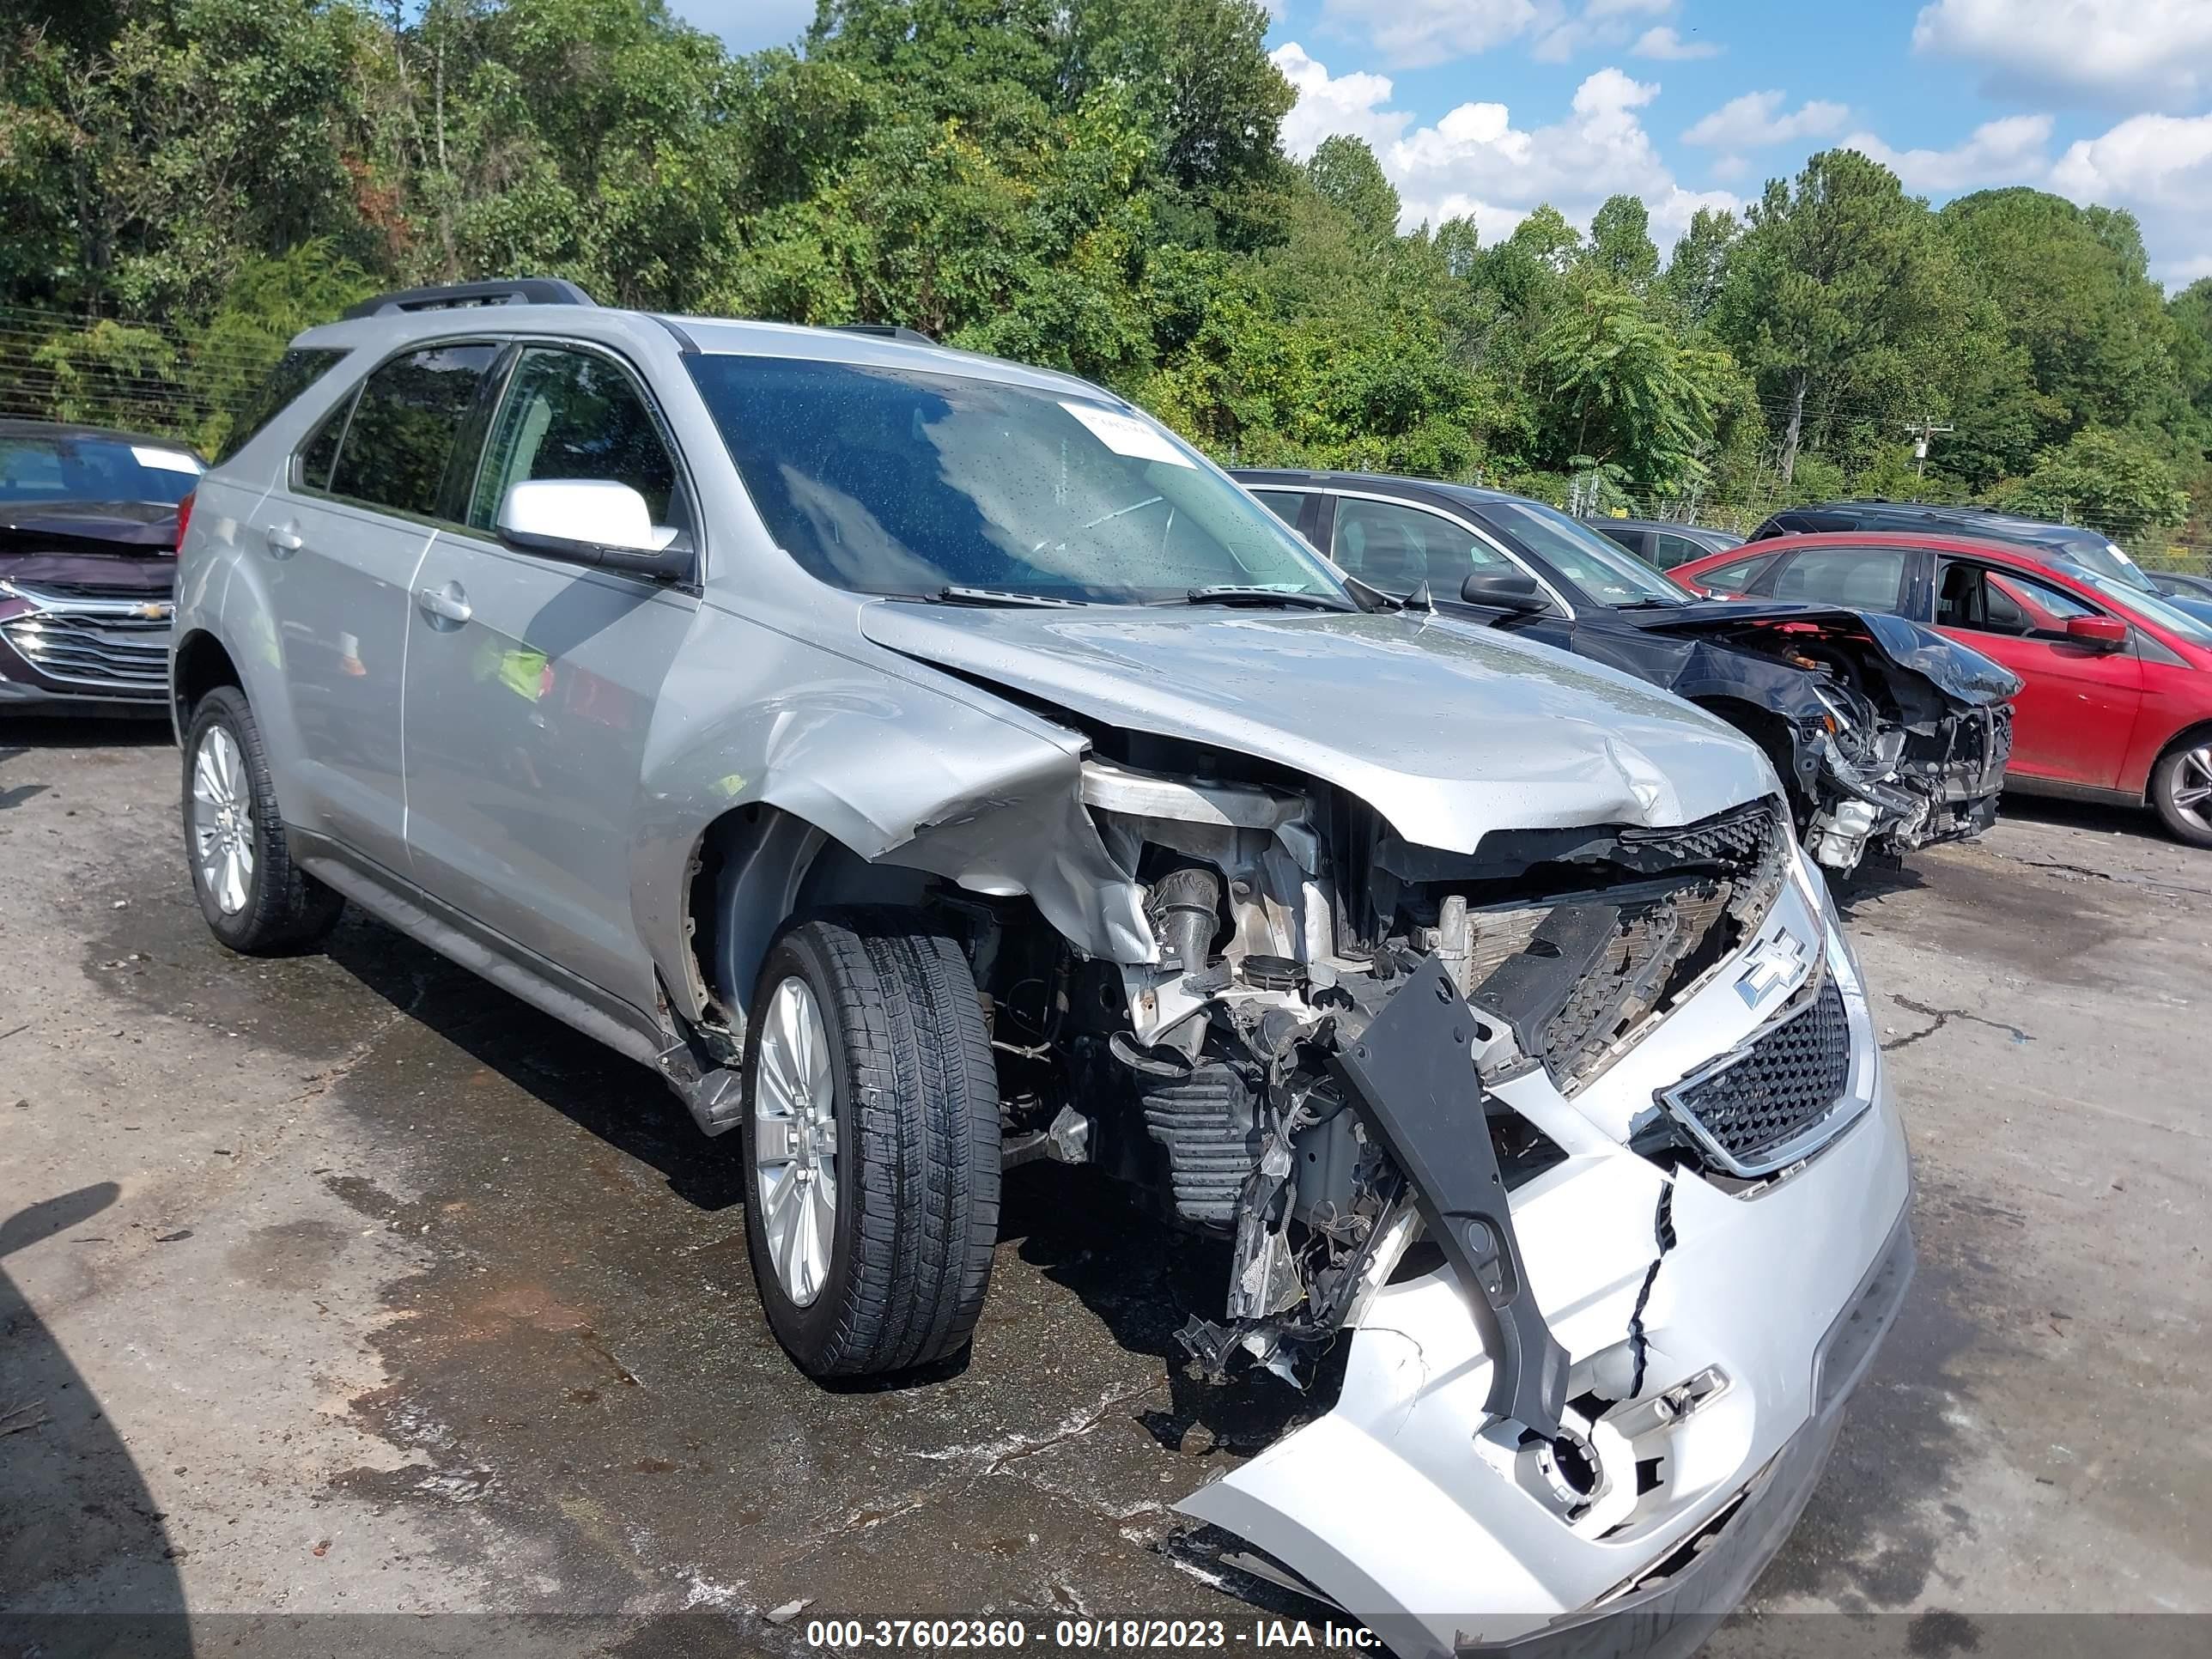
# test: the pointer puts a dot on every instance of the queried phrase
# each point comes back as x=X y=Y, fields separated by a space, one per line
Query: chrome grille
x=1765 y=1105
x=105 y=644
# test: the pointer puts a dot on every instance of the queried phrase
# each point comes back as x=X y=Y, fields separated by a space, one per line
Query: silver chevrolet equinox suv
x=929 y=764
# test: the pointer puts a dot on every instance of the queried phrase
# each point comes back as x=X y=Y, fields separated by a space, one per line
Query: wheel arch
x=199 y=663
x=2187 y=737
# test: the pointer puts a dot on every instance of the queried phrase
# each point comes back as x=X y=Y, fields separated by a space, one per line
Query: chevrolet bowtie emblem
x=1775 y=960
x=153 y=612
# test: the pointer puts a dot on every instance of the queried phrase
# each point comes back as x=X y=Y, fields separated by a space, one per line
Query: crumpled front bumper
x=1408 y=1505
x=1928 y=801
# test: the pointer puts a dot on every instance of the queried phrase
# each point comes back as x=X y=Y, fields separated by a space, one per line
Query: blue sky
x=1491 y=107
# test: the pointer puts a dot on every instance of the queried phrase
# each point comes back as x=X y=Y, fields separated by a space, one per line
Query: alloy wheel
x=2192 y=787
x=222 y=820
x=795 y=1141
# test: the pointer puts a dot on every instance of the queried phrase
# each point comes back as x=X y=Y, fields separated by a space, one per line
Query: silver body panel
x=529 y=788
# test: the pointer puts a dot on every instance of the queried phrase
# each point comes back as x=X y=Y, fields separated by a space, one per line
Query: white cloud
x=1757 y=119
x=1600 y=23
x=2159 y=168
x=2127 y=54
x=1411 y=32
x=1474 y=160
x=2009 y=151
x=1331 y=104
x=1668 y=47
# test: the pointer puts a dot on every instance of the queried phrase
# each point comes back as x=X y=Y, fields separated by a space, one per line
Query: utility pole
x=1922 y=430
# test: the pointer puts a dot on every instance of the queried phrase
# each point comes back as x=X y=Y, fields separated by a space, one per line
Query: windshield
x=44 y=470
x=1606 y=571
x=893 y=482
x=2095 y=554
x=2150 y=606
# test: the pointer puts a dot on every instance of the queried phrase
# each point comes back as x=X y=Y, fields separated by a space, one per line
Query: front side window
x=1984 y=601
x=1859 y=577
x=1607 y=573
x=1285 y=504
x=1668 y=550
x=1398 y=548
x=401 y=439
x=896 y=482
x=568 y=413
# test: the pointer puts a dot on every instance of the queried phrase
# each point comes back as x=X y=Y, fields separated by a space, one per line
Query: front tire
x=254 y=898
x=2181 y=789
x=872 y=1145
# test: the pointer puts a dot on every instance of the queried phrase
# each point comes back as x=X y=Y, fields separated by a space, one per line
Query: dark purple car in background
x=89 y=530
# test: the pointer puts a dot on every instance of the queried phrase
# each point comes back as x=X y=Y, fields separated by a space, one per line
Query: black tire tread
x=2162 y=791
x=288 y=909
x=921 y=1177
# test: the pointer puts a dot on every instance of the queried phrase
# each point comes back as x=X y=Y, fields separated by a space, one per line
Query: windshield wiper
x=1232 y=594
x=1653 y=604
x=999 y=596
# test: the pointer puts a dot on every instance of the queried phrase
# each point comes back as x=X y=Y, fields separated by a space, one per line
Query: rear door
x=2072 y=723
x=531 y=684
x=340 y=547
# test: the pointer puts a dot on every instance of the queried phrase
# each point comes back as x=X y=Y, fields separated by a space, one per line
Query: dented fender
x=898 y=766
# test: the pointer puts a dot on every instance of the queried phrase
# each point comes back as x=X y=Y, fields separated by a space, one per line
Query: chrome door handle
x=284 y=539
x=446 y=604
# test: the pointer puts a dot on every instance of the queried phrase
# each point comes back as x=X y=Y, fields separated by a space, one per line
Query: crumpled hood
x=1447 y=730
x=119 y=527
x=1958 y=670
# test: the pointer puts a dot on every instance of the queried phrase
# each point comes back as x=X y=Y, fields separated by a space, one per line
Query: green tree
x=1344 y=173
x=2107 y=480
x=1698 y=266
x=1620 y=247
x=1838 y=284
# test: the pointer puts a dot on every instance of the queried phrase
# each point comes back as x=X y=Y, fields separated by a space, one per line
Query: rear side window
x=295 y=371
x=1668 y=550
x=1862 y=577
x=1734 y=577
x=405 y=422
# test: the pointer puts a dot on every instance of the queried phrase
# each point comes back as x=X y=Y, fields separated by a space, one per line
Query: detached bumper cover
x=1675 y=1606
x=1413 y=1504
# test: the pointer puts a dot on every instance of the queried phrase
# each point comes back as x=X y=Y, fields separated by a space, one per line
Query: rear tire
x=871 y=1140
x=2181 y=789
x=255 y=899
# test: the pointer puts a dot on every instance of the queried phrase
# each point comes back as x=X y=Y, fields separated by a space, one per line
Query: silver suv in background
x=928 y=764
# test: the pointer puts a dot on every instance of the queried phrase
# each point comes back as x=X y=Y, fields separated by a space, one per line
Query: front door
x=2072 y=723
x=532 y=683
x=341 y=546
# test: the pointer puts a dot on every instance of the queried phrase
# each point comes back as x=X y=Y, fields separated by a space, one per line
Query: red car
x=2119 y=701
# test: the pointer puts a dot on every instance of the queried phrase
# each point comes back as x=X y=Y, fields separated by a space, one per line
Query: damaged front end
x=1897 y=737
x=1464 y=1106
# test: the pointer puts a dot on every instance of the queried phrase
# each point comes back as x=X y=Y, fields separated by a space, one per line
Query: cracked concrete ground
x=347 y=1283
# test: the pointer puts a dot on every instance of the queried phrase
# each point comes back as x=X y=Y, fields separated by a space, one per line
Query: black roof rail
x=885 y=332
x=504 y=291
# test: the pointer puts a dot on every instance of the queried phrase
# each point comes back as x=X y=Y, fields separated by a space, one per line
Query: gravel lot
x=348 y=1284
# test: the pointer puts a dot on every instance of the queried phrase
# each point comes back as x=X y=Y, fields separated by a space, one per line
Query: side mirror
x=2098 y=633
x=1512 y=591
x=593 y=521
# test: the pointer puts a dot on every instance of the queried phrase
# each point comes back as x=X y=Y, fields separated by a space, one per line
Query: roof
x=1671 y=526
x=1389 y=483
x=1980 y=547
x=2044 y=529
x=708 y=335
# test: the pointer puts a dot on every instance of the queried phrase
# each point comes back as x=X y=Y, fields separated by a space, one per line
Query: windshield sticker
x=1126 y=436
x=164 y=460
